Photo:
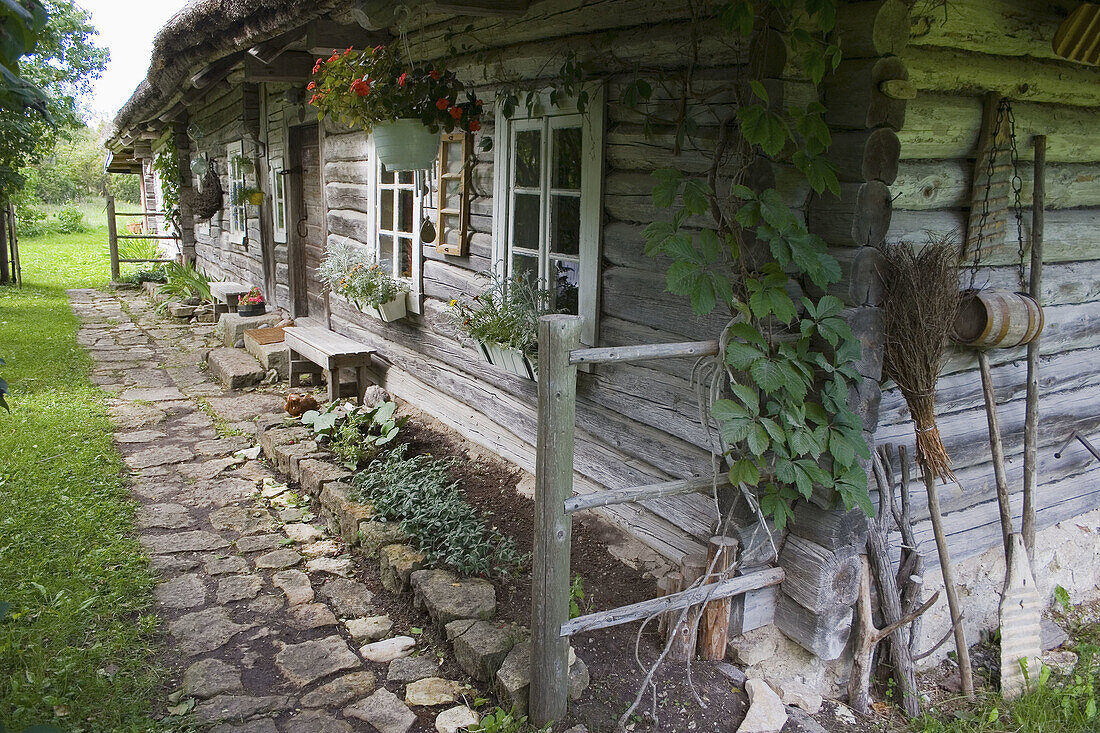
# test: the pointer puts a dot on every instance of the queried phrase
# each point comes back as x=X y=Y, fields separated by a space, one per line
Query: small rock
x=204 y=631
x=388 y=649
x=734 y=674
x=310 y=661
x=512 y=681
x=1060 y=660
x=323 y=548
x=384 y=711
x=799 y=694
x=221 y=565
x=375 y=395
x=1052 y=634
x=211 y=677
x=316 y=721
x=294 y=514
x=295 y=584
x=396 y=564
x=482 y=647
x=301 y=532
x=185 y=591
x=279 y=559
x=350 y=599
x=766 y=712
x=370 y=628
x=455 y=719
x=411 y=669
x=249 y=454
x=239 y=588
x=449 y=598
x=311 y=616
x=433 y=691
x=272 y=488
x=340 y=691
x=799 y=721
x=376 y=534
x=341 y=566
x=260 y=542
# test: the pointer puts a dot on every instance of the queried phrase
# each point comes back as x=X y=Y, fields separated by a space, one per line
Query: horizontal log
x=675 y=602
x=1001 y=27
x=819 y=579
x=639 y=296
x=646 y=352
x=922 y=185
x=872 y=28
x=824 y=635
x=866 y=155
x=653 y=491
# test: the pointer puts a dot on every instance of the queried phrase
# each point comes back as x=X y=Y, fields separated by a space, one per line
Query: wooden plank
x=604 y=355
x=1007 y=28
x=820 y=579
x=675 y=602
x=945 y=184
x=653 y=491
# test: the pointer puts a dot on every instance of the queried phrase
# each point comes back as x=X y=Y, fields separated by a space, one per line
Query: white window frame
x=376 y=231
x=237 y=176
x=278 y=200
x=547 y=117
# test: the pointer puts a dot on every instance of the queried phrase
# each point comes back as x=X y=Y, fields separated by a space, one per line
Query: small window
x=238 y=212
x=396 y=224
x=278 y=200
x=453 y=209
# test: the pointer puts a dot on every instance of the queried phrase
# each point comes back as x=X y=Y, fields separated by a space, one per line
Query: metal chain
x=1004 y=112
x=989 y=173
x=1017 y=191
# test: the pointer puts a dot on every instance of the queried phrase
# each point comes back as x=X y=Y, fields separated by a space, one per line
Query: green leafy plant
x=579 y=602
x=418 y=492
x=505 y=313
x=504 y=721
x=351 y=274
x=365 y=88
x=243 y=195
x=70 y=220
x=167 y=165
x=186 y=281
x=1061 y=597
x=357 y=434
x=4 y=390
x=155 y=275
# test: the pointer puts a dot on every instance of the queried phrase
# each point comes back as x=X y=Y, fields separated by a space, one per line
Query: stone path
x=264 y=629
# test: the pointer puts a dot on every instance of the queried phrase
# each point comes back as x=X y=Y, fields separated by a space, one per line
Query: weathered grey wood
x=1035 y=288
x=945 y=184
x=112 y=237
x=1005 y=28
x=683 y=629
x=866 y=155
x=853 y=99
x=643 y=352
x=948 y=571
x=558 y=336
x=997 y=448
x=873 y=28
x=818 y=578
x=824 y=635
x=700 y=594
x=833 y=530
x=859 y=216
x=754 y=609
x=653 y=491
x=715 y=625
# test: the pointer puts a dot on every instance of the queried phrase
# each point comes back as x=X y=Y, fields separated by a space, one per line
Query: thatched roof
x=203 y=32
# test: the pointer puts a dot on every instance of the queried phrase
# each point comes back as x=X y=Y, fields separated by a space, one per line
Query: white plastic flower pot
x=510 y=360
x=394 y=310
x=405 y=145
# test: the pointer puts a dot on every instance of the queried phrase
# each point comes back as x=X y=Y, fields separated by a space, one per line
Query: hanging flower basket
x=405 y=145
x=510 y=360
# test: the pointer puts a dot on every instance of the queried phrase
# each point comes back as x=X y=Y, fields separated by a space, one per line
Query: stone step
x=231 y=326
x=271 y=356
x=234 y=368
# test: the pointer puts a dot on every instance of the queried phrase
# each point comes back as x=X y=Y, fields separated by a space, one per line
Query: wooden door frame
x=296 y=217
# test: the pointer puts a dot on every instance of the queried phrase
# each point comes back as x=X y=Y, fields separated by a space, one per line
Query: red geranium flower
x=456 y=112
x=313 y=99
x=317 y=66
x=402 y=79
x=433 y=74
x=348 y=51
x=442 y=104
x=474 y=125
x=311 y=85
x=335 y=55
x=360 y=87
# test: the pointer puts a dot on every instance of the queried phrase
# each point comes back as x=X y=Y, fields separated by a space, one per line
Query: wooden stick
x=641 y=493
x=997 y=449
x=913 y=581
x=685 y=629
x=558 y=335
x=715 y=627
x=644 y=352
x=669 y=584
x=112 y=238
x=965 y=674
x=1035 y=288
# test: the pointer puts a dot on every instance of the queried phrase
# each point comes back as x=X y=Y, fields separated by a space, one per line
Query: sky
x=126 y=28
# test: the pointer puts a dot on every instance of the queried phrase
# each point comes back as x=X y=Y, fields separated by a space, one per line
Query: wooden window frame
x=278 y=200
x=462 y=181
x=237 y=176
x=375 y=230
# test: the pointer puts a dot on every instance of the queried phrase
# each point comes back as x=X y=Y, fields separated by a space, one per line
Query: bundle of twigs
x=207 y=200
x=919 y=306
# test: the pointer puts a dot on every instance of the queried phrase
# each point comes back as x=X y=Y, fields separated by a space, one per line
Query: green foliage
x=155 y=275
x=357 y=434
x=505 y=313
x=70 y=220
x=500 y=720
x=419 y=493
x=185 y=281
x=167 y=165
x=579 y=603
x=1061 y=597
x=351 y=273
x=4 y=392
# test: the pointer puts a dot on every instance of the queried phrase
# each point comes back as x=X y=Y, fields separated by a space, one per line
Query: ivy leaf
x=696 y=197
x=748 y=396
x=703 y=297
x=655 y=235
x=748 y=334
x=819 y=171
x=741 y=356
x=748 y=215
x=744 y=471
x=743 y=192
x=682 y=277
x=723 y=289
x=737 y=17
x=666 y=188
x=711 y=245
x=761 y=127
x=758 y=89
x=758 y=439
x=775 y=430
x=767 y=374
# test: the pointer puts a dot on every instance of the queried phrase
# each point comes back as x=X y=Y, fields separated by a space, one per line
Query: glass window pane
x=566 y=286
x=405 y=177
x=454 y=157
x=452 y=195
x=451 y=229
x=385 y=252
x=404 y=254
x=567 y=158
x=385 y=220
x=528 y=158
x=525 y=224
x=566 y=225
x=386 y=175
x=405 y=211
x=525 y=265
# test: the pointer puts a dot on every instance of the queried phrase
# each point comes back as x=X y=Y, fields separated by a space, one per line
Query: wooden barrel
x=997 y=319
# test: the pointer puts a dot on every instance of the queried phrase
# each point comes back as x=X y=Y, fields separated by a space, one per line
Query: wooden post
x=966 y=676
x=715 y=627
x=5 y=273
x=685 y=632
x=1031 y=418
x=668 y=584
x=558 y=336
x=997 y=449
x=112 y=238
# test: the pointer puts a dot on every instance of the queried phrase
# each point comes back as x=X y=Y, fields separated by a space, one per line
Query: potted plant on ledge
x=251 y=303
x=504 y=320
x=363 y=282
x=404 y=105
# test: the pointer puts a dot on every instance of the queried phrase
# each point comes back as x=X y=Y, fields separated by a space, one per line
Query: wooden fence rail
x=559 y=355
x=113 y=236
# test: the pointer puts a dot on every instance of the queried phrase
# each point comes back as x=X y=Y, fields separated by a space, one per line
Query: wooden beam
x=322 y=36
x=272 y=48
x=481 y=7
x=644 y=352
x=641 y=493
x=292 y=66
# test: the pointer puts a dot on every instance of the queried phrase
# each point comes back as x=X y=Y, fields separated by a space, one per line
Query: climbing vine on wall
x=787 y=354
x=166 y=164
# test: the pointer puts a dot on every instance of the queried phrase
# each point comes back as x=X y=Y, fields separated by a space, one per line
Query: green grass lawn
x=75 y=645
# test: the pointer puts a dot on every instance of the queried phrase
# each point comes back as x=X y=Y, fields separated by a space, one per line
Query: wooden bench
x=313 y=350
x=225 y=295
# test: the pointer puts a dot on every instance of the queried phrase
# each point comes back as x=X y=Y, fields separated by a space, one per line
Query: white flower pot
x=405 y=145
x=394 y=310
x=510 y=360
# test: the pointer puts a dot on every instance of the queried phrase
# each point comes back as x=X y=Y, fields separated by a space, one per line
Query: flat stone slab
x=370 y=628
x=302 y=532
x=184 y=591
x=139 y=436
x=233 y=368
x=240 y=707
x=458 y=718
x=295 y=584
x=350 y=599
x=163 y=516
x=205 y=631
x=271 y=356
x=152 y=394
x=259 y=543
x=260 y=725
x=159 y=455
x=396 y=564
x=243 y=519
x=279 y=559
x=305 y=663
x=340 y=691
x=219 y=565
x=316 y=721
x=341 y=566
x=384 y=711
x=239 y=588
x=211 y=677
x=483 y=646
x=231 y=326
x=411 y=669
x=195 y=540
x=449 y=598
x=433 y=691
x=311 y=616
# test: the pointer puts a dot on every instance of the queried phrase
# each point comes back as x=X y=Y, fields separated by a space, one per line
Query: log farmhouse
x=566 y=193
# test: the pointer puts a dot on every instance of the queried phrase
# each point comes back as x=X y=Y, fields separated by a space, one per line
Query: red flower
x=317 y=66
x=360 y=87
x=434 y=74
x=442 y=104
x=335 y=55
x=478 y=103
x=378 y=49
x=456 y=112
x=314 y=98
x=474 y=125
x=311 y=85
x=348 y=51
x=402 y=79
